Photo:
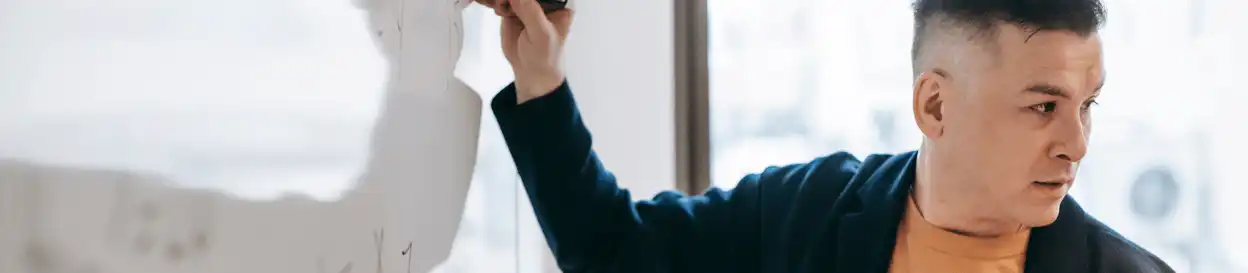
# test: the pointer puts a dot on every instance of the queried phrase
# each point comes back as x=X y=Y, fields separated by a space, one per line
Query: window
x=775 y=84
x=835 y=75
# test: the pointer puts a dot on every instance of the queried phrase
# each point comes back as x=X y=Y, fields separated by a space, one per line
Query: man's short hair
x=979 y=18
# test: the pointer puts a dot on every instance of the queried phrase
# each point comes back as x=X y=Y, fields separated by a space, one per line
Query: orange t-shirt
x=924 y=248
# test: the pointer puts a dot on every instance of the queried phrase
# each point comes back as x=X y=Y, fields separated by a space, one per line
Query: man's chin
x=1040 y=217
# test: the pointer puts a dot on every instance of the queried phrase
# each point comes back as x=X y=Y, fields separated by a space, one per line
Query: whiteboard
x=80 y=204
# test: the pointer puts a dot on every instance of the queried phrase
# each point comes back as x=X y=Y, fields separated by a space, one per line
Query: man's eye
x=1047 y=107
x=1089 y=104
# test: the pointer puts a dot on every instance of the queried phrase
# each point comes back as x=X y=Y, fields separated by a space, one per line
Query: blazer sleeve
x=592 y=225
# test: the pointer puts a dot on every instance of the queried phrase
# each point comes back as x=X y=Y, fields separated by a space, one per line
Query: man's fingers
x=534 y=18
x=500 y=7
x=562 y=19
x=510 y=36
x=512 y=27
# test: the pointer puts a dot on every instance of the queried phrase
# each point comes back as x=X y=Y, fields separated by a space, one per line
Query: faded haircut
x=979 y=18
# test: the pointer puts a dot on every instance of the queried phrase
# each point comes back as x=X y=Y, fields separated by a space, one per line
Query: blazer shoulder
x=825 y=174
x=1119 y=254
x=827 y=177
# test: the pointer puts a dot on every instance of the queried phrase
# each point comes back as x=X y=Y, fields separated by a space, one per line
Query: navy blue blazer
x=833 y=214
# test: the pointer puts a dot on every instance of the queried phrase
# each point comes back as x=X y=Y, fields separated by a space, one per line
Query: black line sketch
x=409 y=257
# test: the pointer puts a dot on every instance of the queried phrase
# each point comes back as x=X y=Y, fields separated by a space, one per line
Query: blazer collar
x=1064 y=245
x=867 y=231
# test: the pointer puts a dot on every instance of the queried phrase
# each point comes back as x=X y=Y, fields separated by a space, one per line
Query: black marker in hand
x=504 y=7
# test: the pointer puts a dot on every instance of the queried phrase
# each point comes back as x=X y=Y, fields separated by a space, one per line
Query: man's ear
x=929 y=90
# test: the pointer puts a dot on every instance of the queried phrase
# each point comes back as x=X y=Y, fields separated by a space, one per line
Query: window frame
x=692 y=91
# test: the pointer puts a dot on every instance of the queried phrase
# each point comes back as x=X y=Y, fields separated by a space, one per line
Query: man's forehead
x=1051 y=45
x=1058 y=56
x=1013 y=59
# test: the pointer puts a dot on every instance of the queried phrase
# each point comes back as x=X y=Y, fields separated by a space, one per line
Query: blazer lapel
x=867 y=233
x=1063 y=246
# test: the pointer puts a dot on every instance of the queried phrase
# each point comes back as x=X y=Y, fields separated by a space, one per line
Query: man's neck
x=953 y=217
x=955 y=214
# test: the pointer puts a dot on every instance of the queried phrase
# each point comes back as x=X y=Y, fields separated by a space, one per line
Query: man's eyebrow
x=1048 y=89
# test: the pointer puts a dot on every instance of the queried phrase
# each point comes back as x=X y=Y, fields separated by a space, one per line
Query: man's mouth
x=1054 y=184
x=1054 y=187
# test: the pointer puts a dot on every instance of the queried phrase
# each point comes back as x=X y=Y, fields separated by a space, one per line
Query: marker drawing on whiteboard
x=409 y=257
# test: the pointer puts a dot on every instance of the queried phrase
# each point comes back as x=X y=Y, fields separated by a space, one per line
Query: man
x=1003 y=92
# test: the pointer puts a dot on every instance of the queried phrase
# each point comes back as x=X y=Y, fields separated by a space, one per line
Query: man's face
x=1016 y=125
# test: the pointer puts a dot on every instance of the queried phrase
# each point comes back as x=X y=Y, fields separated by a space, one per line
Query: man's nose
x=1071 y=140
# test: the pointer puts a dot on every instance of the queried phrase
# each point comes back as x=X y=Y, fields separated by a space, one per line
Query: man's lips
x=1055 y=182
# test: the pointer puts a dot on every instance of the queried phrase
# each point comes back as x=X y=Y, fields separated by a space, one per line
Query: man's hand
x=533 y=44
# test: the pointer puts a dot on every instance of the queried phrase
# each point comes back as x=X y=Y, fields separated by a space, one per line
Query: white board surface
x=63 y=212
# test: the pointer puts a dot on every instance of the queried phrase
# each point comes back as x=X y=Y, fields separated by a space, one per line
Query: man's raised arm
x=592 y=225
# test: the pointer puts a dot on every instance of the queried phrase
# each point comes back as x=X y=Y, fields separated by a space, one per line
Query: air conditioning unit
x=1159 y=189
